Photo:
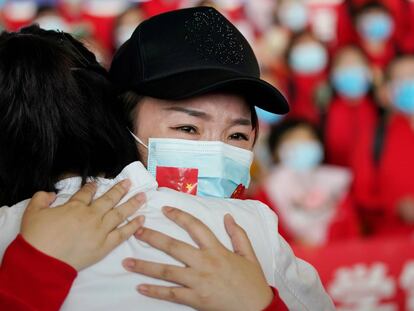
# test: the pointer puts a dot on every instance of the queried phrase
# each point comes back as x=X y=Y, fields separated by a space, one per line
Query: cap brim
x=198 y=82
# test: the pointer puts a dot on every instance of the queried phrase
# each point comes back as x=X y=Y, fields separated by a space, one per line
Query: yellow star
x=189 y=187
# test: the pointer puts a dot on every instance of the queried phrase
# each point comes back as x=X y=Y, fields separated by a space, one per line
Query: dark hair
x=57 y=115
x=130 y=101
x=278 y=130
x=358 y=10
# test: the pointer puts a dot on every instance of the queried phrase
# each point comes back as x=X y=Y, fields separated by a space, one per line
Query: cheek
x=244 y=144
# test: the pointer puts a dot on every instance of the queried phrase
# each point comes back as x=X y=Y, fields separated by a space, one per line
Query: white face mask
x=221 y=169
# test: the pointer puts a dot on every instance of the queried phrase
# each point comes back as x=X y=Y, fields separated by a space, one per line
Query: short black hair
x=278 y=130
x=357 y=11
x=57 y=115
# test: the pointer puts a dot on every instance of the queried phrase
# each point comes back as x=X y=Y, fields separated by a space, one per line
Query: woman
x=352 y=111
x=312 y=199
x=189 y=98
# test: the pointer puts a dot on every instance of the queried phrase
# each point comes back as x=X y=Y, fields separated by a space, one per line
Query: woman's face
x=212 y=117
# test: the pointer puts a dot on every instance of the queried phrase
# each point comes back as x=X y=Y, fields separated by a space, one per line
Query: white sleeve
x=297 y=281
x=10 y=221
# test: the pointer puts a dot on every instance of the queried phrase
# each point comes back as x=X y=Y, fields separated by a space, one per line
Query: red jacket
x=33 y=281
x=379 y=187
x=345 y=121
x=303 y=94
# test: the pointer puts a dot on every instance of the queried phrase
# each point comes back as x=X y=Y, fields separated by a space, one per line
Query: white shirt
x=307 y=202
x=108 y=286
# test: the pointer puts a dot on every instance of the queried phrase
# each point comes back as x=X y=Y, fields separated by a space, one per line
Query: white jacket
x=107 y=286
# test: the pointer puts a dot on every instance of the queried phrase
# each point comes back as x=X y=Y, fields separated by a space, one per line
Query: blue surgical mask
x=308 y=58
x=267 y=117
x=403 y=96
x=376 y=27
x=351 y=82
x=294 y=16
x=301 y=156
x=222 y=168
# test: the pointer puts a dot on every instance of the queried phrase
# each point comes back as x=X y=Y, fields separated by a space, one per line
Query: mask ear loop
x=138 y=140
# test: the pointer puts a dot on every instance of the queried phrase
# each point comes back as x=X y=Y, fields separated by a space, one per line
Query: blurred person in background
x=308 y=60
x=375 y=27
x=312 y=200
x=383 y=157
x=402 y=12
x=352 y=109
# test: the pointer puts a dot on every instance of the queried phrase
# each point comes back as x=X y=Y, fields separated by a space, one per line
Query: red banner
x=366 y=275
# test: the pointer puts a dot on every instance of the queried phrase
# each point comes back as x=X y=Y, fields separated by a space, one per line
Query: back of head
x=56 y=114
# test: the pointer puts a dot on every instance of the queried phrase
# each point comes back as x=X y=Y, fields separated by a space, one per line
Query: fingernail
x=126 y=184
x=139 y=232
x=167 y=209
x=229 y=217
x=142 y=289
x=140 y=197
x=129 y=264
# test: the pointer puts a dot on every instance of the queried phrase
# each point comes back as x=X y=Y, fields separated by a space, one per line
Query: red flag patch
x=179 y=179
x=239 y=192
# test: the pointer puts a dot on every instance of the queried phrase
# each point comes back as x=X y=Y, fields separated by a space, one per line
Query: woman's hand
x=214 y=277
x=81 y=231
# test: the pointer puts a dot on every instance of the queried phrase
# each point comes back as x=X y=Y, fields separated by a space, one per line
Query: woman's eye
x=239 y=136
x=187 y=129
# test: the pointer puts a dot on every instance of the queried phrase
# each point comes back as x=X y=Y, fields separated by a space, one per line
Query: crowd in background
x=340 y=165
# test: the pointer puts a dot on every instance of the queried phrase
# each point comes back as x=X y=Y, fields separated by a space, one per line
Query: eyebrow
x=190 y=112
x=242 y=121
x=205 y=116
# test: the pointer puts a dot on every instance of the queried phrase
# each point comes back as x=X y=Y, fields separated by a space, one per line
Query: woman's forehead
x=213 y=104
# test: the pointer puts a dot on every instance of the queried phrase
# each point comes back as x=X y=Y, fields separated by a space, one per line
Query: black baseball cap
x=190 y=52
